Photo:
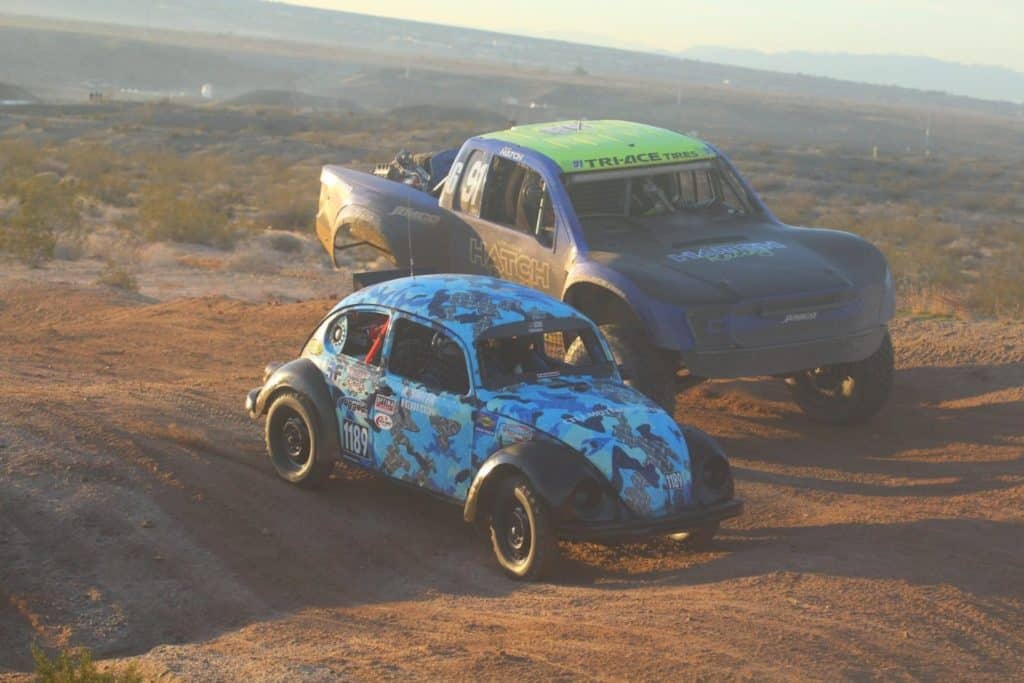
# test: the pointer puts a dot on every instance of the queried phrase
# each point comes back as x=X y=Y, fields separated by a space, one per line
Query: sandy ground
x=140 y=517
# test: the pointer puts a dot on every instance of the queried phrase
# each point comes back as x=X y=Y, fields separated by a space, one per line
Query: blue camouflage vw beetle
x=500 y=399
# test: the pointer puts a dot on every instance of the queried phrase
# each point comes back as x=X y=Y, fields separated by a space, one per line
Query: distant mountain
x=14 y=93
x=408 y=41
x=922 y=73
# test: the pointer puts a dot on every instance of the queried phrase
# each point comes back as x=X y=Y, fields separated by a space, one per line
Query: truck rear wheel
x=644 y=367
x=847 y=393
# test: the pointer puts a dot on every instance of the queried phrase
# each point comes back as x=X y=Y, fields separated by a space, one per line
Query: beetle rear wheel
x=292 y=441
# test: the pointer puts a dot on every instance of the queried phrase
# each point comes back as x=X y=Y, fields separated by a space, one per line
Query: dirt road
x=139 y=517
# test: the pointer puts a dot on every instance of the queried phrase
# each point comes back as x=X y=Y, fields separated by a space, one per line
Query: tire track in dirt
x=139 y=516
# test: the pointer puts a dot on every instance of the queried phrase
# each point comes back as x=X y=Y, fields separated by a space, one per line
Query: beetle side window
x=360 y=334
x=471 y=186
x=427 y=356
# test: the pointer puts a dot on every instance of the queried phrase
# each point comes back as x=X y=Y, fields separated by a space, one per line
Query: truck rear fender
x=359 y=208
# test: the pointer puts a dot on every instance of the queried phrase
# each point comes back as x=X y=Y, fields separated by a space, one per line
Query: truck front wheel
x=847 y=393
x=644 y=367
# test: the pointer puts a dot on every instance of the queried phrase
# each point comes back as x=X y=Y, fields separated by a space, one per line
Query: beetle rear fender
x=303 y=377
x=555 y=471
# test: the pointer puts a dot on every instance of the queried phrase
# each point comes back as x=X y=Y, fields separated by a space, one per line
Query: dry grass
x=951 y=228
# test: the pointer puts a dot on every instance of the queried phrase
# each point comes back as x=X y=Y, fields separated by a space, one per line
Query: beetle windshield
x=541 y=351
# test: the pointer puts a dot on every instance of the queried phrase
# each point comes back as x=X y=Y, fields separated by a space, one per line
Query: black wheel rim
x=831 y=383
x=513 y=532
x=294 y=445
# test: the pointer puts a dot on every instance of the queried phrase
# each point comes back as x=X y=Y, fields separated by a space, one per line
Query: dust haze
x=158 y=185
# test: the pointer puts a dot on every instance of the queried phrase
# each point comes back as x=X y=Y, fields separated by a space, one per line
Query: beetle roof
x=468 y=305
x=582 y=146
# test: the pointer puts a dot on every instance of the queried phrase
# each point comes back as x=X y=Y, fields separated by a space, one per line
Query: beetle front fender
x=553 y=469
x=303 y=377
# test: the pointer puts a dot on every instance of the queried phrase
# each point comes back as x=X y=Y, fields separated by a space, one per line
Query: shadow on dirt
x=980 y=557
x=923 y=443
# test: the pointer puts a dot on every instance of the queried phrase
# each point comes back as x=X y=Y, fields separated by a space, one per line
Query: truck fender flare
x=614 y=284
x=364 y=225
x=553 y=469
x=303 y=377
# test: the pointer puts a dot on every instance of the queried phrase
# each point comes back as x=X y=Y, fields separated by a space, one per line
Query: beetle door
x=355 y=339
x=422 y=417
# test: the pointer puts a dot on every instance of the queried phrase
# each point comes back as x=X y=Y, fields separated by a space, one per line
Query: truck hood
x=716 y=262
x=636 y=445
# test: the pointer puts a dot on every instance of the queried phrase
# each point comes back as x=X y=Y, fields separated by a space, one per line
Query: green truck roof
x=585 y=146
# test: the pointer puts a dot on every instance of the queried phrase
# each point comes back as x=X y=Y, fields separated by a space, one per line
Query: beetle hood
x=636 y=445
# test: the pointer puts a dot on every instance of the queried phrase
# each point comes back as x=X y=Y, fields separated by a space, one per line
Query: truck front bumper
x=635 y=529
x=783 y=359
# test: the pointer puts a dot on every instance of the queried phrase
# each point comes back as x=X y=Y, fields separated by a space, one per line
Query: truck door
x=510 y=223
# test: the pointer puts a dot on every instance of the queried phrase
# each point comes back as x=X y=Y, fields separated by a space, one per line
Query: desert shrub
x=166 y=214
x=103 y=173
x=796 y=208
x=117 y=275
x=44 y=209
x=284 y=242
x=77 y=667
x=999 y=290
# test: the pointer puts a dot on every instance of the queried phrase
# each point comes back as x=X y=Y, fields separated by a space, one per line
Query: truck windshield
x=511 y=357
x=706 y=188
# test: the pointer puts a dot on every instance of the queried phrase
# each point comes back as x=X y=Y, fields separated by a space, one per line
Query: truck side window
x=515 y=196
x=470 y=190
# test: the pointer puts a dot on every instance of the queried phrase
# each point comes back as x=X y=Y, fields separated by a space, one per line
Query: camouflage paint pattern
x=439 y=441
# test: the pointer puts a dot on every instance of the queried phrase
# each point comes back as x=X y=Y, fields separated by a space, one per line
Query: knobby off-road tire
x=522 y=532
x=848 y=393
x=293 y=439
x=644 y=367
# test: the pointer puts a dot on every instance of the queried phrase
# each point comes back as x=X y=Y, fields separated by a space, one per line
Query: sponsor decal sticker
x=674 y=480
x=512 y=432
x=728 y=252
x=510 y=153
x=356 y=406
x=384 y=405
x=800 y=317
x=510 y=263
x=414 y=215
x=564 y=129
x=638 y=159
x=355 y=439
x=383 y=422
x=486 y=423
x=413 y=405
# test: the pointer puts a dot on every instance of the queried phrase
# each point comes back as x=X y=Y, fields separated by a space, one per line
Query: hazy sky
x=975 y=31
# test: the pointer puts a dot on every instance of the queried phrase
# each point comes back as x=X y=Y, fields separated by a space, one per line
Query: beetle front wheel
x=521 y=532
